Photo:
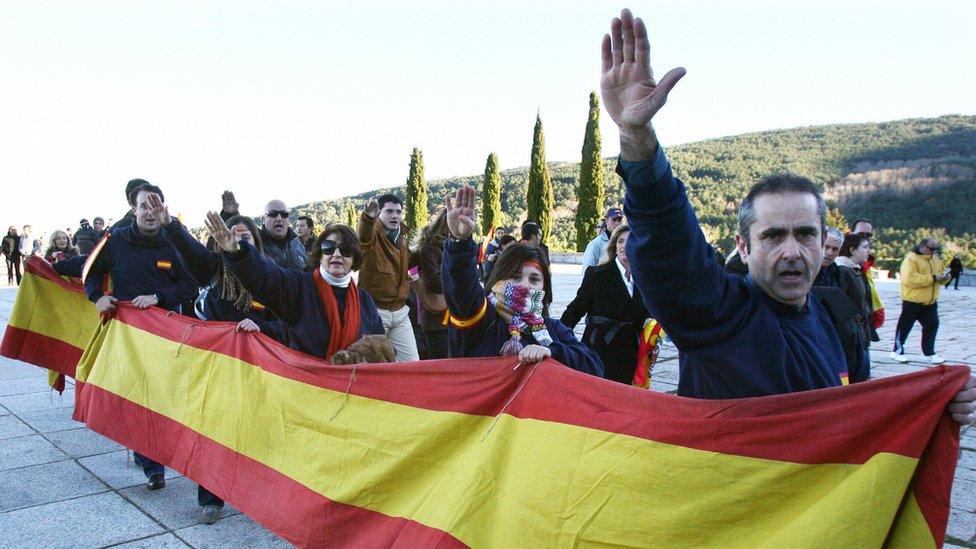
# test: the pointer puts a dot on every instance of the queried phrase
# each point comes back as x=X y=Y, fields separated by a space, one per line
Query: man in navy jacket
x=738 y=337
x=143 y=268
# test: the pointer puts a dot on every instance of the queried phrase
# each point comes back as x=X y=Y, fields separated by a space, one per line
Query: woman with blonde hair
x=615 y=312
x=59 y=248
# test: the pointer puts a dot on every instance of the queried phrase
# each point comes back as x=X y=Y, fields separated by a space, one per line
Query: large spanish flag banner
x=478 y=453
x=51 y=321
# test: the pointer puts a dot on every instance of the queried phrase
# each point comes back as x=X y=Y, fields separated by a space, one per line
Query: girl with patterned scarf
x=511 y=318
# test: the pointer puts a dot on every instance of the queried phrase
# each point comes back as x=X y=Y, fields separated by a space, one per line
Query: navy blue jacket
x=71 y=266
x=292 y=296
x=465 y=298
x=734 y=340
x=140 y=265
x=204 y=265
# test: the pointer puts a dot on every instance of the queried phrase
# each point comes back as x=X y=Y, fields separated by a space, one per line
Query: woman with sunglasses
x=322 y=311
x=512 y=317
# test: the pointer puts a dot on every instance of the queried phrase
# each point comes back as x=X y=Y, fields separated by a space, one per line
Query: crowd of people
x=794 y=308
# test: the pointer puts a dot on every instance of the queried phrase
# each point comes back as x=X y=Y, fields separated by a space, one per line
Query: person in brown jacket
x=384 y=272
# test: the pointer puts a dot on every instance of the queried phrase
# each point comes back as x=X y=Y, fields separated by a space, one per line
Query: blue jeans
x=149 y=467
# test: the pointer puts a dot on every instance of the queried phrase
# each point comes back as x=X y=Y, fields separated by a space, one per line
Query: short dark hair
x=529 y=230
x=779 y=184
x=308 y=221
x=856 y=221
x=131 y=186
x=388 y=197
x=147 y=187
x=509 y=265
x=506 y=240
x=852 y=242
x=349 y=238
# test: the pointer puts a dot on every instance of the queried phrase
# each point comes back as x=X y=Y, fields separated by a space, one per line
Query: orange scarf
x=345 y=331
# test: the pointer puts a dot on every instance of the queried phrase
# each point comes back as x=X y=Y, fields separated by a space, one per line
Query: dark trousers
x=13 y=267
x=149 y=467
x=953 y=276
x=206 y=497
x=436 y=343
x=927 y=316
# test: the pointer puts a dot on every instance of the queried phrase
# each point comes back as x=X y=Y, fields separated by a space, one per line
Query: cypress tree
x=539 y=195
x=589 y=193
x=416 y=199
x=491 y=195
x=352 y=217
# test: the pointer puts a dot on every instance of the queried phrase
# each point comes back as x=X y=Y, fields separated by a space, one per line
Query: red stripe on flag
x=283 y=505
x=40 y=350
x=763 y=428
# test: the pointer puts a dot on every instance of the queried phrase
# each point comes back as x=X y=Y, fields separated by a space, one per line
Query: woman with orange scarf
x=323 y=310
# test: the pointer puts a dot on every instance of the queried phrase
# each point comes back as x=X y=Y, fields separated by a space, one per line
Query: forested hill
x=909 y=176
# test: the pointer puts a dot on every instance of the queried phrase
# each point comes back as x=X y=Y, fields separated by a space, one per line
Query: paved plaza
x=62 y=485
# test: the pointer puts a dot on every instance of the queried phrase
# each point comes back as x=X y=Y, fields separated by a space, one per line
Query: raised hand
x=372 y=209
x=630 y=94
x=230 y=204
x=159 y=210
x=220 y=233
x=461 y=213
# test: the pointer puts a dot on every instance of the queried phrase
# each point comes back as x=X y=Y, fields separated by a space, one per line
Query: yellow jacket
x=917 y=284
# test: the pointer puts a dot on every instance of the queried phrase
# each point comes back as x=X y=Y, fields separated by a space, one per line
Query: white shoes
x=934 y=359
x=897 y=357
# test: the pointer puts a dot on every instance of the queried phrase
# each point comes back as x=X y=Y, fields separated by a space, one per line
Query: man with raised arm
x=738 y=337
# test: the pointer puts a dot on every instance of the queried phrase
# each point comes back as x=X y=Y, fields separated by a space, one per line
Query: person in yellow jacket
x=922 y=276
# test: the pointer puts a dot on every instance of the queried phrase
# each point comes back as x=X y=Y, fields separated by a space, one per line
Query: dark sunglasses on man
x=329 y=247
x=867 y=234
x=278 y=213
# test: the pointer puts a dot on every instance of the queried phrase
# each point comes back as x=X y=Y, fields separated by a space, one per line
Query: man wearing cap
x=598 y=246
x=86 y=237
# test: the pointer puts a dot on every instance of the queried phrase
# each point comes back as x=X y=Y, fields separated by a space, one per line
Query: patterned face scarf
x=521 y=309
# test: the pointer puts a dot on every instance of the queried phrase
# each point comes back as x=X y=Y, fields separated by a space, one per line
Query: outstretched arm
x=459 y=271
x=279 y=289
x=674 y=267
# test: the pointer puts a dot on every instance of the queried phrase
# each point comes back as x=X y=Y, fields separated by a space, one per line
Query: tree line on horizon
x=911 y=177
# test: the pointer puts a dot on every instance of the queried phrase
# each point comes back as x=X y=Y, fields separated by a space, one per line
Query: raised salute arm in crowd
x=737 y=337
x=511 y=317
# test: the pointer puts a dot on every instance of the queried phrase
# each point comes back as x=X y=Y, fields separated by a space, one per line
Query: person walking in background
x=60 y=248
x=922 y=276
x=596 y=248
x=86 y=237
x=614 y=309
x=383 y=237
x=865 y=227
x=489 y=263
x=11 y=253
x=955 y=269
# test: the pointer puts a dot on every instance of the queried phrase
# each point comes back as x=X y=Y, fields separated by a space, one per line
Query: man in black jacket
x=281 y=244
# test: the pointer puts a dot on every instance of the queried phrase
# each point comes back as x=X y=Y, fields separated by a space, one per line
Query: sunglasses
x=278 y=213
x=867 y=234
x=329 y=247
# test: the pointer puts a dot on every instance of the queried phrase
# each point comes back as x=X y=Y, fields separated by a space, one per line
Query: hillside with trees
x=911 y=177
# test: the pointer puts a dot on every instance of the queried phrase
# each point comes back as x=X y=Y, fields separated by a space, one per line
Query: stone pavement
x=62 y=485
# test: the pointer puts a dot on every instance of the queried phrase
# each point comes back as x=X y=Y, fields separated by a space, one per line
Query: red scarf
x=345 y=331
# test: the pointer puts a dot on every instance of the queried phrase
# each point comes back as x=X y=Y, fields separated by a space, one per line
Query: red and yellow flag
x=647 y=354
x=471 y=452
x=51 y=321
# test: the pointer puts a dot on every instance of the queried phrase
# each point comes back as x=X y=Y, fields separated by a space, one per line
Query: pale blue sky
x=311 y=100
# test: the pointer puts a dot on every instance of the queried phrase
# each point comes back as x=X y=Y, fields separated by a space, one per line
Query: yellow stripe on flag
x=46 y=308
